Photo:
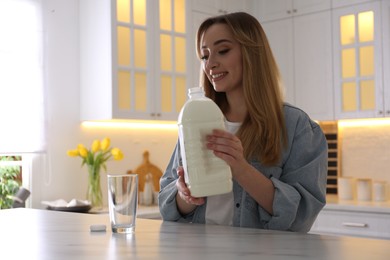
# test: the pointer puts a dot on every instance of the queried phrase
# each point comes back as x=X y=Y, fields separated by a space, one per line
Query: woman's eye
x=224 y=51
x=204 y=57
x=221 y=52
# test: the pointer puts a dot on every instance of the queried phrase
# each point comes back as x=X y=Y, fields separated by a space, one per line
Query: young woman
x=277 y=154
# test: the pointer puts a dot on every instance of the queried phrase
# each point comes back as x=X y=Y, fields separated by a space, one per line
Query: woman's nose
x=211 y=64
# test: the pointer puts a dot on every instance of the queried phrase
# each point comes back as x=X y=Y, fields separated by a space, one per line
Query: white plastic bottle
x=205 y=174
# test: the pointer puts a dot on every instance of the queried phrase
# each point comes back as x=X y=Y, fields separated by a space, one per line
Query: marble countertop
x=45 y=234
x=333 y=203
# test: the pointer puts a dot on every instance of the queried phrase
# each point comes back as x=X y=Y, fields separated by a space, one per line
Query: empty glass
x=122 y=202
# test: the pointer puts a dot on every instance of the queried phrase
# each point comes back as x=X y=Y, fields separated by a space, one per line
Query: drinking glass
x=122 y=202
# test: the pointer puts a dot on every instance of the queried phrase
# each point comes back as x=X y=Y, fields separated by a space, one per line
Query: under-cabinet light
x=364 y=122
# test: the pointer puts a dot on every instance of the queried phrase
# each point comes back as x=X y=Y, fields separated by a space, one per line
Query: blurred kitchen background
x=120 y=69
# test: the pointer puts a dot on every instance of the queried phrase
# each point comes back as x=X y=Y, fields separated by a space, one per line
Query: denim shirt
x=299 y=180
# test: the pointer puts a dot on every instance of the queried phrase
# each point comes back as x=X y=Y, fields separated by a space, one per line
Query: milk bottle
x=204 y=173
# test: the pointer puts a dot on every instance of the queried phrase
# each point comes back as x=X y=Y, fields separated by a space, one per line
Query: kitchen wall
x=55 y=175
x=365 y=149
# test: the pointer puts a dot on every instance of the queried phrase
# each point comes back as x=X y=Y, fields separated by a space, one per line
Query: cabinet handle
x=380 y=112
x=353 y=224
x=155 y=114
x=294 y=10
x=288 y=12
x=388 y=112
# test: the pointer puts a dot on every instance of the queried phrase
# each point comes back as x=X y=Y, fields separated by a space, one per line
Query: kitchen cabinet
x=343 y=3
x=358 y=75
x=302 y=46
x=278 y=9
x=354 y=219
x=280 y=35
x=215 y=7
x=385 y=8
x=133 y=59
x=197 y=19
x=207 y=6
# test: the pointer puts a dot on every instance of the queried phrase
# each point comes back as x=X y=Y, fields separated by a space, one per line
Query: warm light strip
x=131 y=124
x=144 y=124
x=364 y=122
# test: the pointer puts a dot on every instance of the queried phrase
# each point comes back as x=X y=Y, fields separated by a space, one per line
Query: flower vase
x=94 y=192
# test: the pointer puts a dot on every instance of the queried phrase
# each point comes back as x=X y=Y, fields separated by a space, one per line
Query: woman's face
x=221 y=58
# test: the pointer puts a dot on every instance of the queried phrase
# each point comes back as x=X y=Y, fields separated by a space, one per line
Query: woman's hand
x=228 y=147
x=185 y=202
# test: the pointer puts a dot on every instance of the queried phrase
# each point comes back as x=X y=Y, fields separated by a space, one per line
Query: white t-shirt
x=219 y=208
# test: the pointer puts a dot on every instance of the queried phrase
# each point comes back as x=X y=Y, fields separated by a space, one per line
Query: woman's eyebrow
x=218 y=42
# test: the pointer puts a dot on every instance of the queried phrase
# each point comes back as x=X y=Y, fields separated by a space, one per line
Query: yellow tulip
x=95 y=146
x=117 y=154
x=73 y=153
x=83 y=151
x=105 y=144
x=98 y=154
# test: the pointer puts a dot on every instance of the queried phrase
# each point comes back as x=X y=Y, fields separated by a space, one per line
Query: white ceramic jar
x=346 y=188
x=363 y=187
x=379 y=190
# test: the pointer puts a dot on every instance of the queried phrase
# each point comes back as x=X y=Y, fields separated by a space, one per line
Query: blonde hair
x=263 y=132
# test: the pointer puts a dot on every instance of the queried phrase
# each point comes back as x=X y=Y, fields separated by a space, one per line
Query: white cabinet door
x=313 y=65
x=215 y=7
x=95 y=70
x=309 y=6
x=278 y=9
x=386 y=53
x=197 y=19
x=302 y=49
x=358 y=76
x=133 y=64
x=280 y=37
x=342 y=3
x=275 y=9
x=207 y=6
x=230 y=6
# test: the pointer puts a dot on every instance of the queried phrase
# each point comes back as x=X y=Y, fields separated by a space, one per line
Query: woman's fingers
x=181 y=185
x=184 y=192
x=226 y=146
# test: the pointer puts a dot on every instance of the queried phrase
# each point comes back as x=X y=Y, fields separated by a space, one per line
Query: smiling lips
x=218 y=76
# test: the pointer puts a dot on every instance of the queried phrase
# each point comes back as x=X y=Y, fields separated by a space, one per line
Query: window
x=22 y=117
x=21 y=80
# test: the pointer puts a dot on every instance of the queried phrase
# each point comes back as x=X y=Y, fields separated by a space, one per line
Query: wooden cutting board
x=147 y=168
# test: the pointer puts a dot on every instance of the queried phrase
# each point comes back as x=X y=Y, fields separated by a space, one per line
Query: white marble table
x=44 y=234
